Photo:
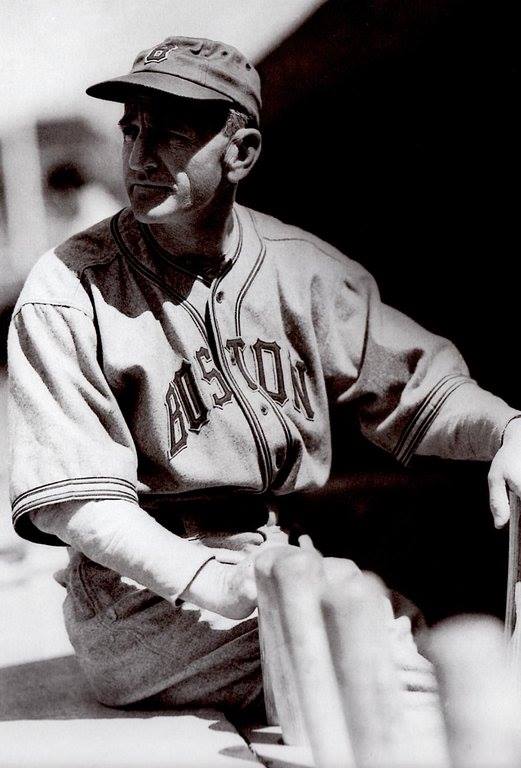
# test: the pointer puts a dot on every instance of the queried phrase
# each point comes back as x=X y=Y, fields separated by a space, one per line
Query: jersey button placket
x=268 y=424
x=221 y=317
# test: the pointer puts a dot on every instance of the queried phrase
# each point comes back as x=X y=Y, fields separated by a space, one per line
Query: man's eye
x=180 y=135
x=174 y=137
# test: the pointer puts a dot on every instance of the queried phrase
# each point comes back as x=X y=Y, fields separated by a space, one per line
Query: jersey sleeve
x=68 y=438
x=400 y=375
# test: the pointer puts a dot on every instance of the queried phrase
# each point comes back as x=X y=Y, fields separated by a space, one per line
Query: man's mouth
x=149 y=186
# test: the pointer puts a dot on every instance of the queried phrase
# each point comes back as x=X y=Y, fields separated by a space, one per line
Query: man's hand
x=226 y=585
x=505 y=473
x=232 y=547
x=225 y=588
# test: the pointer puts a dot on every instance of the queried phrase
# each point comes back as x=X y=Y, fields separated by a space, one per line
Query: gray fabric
x=131 y=644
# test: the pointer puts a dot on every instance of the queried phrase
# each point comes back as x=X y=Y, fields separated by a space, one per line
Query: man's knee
x=129 y=660
x=224 y=682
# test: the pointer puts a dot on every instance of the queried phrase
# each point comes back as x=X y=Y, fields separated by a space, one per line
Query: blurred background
x=389 y=131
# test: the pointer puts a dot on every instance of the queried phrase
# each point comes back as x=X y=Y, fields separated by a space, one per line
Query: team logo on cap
x=159 y=53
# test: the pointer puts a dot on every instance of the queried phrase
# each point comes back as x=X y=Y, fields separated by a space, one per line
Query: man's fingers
x=498 y=495
x=273 y=534
x=340 y=568
x=230 y=556
x=238 y=541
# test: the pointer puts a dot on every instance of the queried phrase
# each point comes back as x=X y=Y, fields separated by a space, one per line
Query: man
x=172 y=371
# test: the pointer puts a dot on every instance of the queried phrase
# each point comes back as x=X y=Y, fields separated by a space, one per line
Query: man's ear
x=241 y=154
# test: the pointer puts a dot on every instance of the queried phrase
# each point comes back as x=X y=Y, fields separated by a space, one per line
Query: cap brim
x=130 y=86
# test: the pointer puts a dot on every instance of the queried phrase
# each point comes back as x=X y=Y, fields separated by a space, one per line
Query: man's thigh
x=132 y=644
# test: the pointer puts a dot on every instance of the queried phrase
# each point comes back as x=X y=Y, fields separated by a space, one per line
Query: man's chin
x=157 y=214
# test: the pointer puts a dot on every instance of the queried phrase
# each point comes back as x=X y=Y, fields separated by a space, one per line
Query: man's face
x=172 y=158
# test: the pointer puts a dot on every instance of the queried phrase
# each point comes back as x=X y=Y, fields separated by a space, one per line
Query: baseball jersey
x=138 y=376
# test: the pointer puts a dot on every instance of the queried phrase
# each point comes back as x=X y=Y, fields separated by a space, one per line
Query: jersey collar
x=197 y=265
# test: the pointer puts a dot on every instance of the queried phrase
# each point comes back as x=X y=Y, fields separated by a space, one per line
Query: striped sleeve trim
x=415 y=431
x=73 y=489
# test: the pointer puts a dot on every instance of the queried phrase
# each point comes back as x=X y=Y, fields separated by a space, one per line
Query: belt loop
x=272 y=515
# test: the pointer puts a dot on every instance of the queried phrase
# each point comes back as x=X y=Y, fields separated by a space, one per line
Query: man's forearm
x=121 y=536
x=470 y=425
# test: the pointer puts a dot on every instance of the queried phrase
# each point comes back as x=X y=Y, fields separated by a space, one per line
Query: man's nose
x=142 y=156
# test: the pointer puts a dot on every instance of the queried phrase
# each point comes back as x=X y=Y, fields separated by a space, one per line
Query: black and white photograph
x=260 y=417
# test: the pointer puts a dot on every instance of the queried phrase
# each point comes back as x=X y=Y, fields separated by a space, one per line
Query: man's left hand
x=505 y=473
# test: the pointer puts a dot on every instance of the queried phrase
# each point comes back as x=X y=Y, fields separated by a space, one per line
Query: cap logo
x=159 y=53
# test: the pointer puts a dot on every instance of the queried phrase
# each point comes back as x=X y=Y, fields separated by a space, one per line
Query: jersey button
x=219 y=297
x=264 y=409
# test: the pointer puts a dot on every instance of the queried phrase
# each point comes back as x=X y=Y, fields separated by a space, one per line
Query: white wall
x=53 y=49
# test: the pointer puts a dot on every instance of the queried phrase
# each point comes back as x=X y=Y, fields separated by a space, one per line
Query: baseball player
x=172 y=372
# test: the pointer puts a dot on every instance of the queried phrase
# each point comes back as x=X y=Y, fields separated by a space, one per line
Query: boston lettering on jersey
x=188 y=409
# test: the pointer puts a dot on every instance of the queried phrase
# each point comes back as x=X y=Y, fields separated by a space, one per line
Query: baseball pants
x=132 y=645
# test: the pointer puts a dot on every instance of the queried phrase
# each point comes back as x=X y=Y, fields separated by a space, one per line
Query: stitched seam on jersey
x=425 y=426
x=249 y=280
x=183 y=302
x=242 y=400
x=337 y=258
x=50 y=304
x=52 y=492
x=238 y=306
x=58 y=498
x=101 y=261
x=76 y=480
x=41 y=500
x=258 y=431
x=52 y=497
x=285 y=428
x=418 y=414
x=238 y=247
x=159 y=251
x=425 y=415
x=251 y=277
x=165 y=256
x=411 y=426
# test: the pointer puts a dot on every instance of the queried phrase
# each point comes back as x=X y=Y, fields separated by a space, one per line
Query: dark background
x=389 y=131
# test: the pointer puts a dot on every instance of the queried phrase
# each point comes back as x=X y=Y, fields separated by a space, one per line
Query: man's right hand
x=226 y=585
x=224 y=588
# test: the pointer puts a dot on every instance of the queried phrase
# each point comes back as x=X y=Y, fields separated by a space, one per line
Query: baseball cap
x=190 y=67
